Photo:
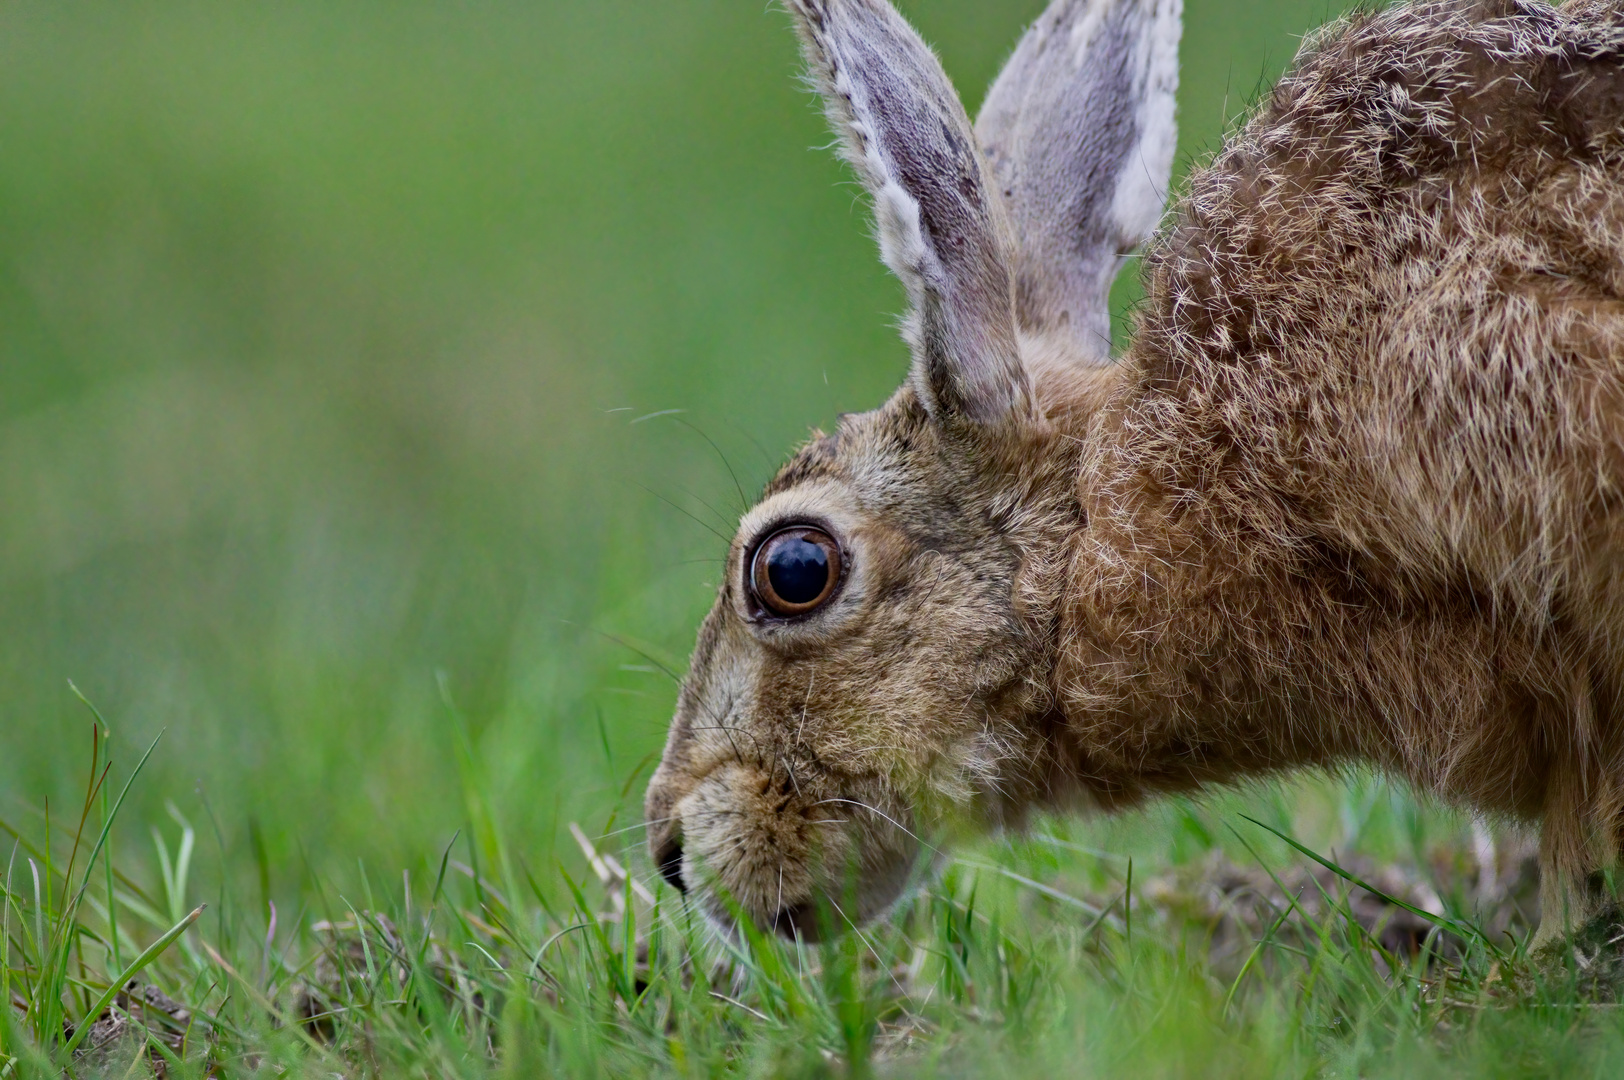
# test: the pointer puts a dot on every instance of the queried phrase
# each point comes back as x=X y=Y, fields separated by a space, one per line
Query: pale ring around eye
x=795 y=570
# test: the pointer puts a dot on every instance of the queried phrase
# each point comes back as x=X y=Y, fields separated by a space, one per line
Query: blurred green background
x=324 y=331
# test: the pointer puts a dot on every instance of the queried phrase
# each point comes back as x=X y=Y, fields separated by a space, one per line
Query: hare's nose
x=669 y=859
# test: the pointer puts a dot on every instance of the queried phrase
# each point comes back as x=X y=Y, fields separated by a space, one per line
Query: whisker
x=715 y=859
x=727 y=728
x=883 y=814
x=772 y=463
x=864 y=939
x=723 y=518
x=639 y=825
x=744 y=503
x=685 y=512
x=667 y=672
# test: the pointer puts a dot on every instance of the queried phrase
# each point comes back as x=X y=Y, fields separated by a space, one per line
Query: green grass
x=1039 y=956
x=325 y=330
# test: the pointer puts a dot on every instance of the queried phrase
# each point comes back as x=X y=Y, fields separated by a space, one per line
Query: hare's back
x=1390 y=317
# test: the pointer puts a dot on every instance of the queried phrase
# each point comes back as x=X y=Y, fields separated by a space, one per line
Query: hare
x=1355 y=493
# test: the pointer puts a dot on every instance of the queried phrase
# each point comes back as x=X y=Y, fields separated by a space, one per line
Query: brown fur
x=1354 y=495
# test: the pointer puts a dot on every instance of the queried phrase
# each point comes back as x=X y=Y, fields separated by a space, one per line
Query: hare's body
x=1356 y=493
x=1360 y=493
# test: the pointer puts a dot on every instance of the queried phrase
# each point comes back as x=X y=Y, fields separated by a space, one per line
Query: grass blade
x=107 y=825
x=1465 y=930
x=151 y=953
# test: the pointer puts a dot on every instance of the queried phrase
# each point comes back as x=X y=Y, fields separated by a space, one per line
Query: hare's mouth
x=802 y=864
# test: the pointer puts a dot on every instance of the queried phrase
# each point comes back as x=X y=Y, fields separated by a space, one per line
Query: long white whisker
x=737 y=845
x=864 y=939
x=883 y=814
x=639 y=825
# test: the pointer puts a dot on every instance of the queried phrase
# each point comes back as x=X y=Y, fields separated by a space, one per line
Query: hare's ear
x=1080 y=134
x=941 y=230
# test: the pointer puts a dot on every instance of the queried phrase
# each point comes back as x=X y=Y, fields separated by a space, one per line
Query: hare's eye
x=795 y=570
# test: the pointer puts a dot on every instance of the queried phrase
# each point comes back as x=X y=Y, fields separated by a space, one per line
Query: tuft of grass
x=1044 y=957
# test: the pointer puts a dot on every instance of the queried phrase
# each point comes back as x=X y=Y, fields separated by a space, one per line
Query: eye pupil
x=795 y=570
x=798 y=570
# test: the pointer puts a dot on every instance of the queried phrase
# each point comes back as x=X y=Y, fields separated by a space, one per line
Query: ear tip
x=816 y=10
x=809 y=13
x=819 y=13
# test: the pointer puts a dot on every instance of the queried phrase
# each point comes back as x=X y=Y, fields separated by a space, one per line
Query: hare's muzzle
x=798 y=855
x=795 y=920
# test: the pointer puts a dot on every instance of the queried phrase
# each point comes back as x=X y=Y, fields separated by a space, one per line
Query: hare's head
x=877 y=661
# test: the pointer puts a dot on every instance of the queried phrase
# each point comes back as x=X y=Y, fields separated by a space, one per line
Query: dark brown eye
x=795 y=570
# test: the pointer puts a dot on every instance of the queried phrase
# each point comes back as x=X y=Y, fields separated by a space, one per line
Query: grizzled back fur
x=1355 y=493
x=1375 y=397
